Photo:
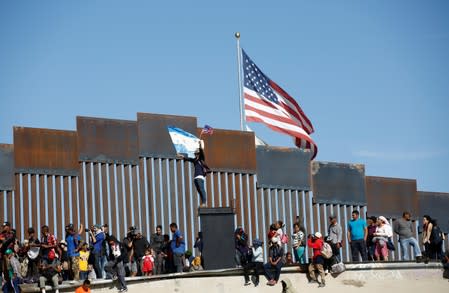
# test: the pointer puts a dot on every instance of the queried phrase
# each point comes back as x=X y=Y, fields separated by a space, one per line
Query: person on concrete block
x=316 y=243
x=357 y=233
x=115 y=266
x=404 y=228
x=50 y=269
x=275 y=262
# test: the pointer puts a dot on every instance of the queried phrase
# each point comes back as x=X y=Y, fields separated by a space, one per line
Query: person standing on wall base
x=178 y=247
x=200 y=173
x=357 y=233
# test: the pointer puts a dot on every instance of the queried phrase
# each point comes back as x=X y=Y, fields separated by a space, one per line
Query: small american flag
x=207 y=130
x=268 y=103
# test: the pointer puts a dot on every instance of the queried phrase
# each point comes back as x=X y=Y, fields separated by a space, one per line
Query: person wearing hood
x=13 y=270
x=256 y=263
x=316 y=243
x=383 y=232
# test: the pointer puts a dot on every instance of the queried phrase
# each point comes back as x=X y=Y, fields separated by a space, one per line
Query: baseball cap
x=8 y=251
x=6 y=223
x=318 y=235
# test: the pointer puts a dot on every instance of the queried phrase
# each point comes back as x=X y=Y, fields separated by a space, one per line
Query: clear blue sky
x=373 y=76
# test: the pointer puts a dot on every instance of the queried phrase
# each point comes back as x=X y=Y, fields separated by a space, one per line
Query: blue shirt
x=71 y=245
x=99 y=238
x=182 y=245
x=357 y=229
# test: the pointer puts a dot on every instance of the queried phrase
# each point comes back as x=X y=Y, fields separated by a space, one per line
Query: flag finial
x=237 y=35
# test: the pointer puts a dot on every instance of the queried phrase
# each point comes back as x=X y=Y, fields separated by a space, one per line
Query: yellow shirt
x=84 y=256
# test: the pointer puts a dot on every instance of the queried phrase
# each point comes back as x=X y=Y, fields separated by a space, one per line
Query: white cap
x=318 y=235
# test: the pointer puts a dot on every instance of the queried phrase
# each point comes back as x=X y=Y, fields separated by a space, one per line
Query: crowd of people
x=93 y=253
x=89 y=254
x=369 y=240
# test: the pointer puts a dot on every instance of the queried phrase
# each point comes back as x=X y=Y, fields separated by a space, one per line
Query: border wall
x=126 y=173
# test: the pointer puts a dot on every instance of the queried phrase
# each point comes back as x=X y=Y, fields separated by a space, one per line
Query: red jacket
x=316 y=246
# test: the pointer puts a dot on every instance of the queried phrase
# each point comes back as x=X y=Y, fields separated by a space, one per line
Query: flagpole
x=237 y=36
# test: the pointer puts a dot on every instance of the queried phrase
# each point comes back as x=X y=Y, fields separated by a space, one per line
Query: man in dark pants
x=357 y=233
x=178 y=247
x=157 y=243
x=139 y=245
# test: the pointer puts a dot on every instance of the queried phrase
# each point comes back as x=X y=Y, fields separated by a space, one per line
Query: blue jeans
x=84 y=275
x=404 y=247
x=269 y=271
x=199 y=184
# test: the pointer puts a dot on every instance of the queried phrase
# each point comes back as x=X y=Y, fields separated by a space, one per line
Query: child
x=148 y=262
x=84 y=257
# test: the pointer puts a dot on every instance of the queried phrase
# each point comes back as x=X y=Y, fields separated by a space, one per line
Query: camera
x=86 y=230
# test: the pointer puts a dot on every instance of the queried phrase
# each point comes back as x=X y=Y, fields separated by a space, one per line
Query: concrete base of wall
x=371 y=277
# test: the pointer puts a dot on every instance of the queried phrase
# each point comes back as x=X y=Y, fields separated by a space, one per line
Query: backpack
x=436 y=235
x=326 y=250
x=284 y=239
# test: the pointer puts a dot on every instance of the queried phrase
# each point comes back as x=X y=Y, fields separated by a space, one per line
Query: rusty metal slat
x=253 y=206
x=104 y=191
x=26 y=202
x=3 y=206
x=11 y=196
x=182 y=205
x=157 y=192
x=434 y=204
x=75 y=201
x=14 y=203
x=51 y=203
x=323 y=219
x=128 y=197
x=174 y=203
x=260 y=213
x=98 y=201
x=209 y=191
x=89 y=195
x=146 y=228
x=66 y=203
x=190 y=207
x=217 y=191
x=81 y=196
x=120 y=196
x=152 y=208
x=288 y=217
x=244 y=200
x=137 y=208
x=113 y=226
x=223 y=187
x=58 y=223
x=238 y=199
x=309 y=217
x=343 y=222
x=34 y=205
x=164 y=195
x=42 y=206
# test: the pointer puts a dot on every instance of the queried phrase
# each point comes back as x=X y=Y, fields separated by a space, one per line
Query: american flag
x=268 y=103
